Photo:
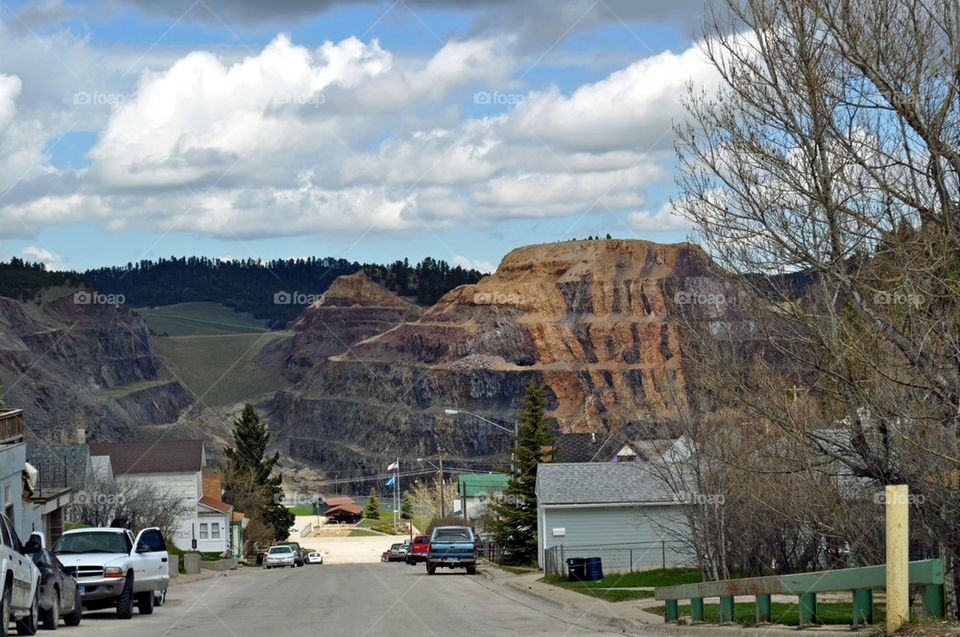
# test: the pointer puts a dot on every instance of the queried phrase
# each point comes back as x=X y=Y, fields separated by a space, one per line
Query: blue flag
x=390 y=481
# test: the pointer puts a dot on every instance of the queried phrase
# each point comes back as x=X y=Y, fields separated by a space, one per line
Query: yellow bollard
x=898 y=558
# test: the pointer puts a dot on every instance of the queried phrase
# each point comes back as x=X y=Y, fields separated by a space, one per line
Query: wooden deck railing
x=11 y=426
x=860 y=581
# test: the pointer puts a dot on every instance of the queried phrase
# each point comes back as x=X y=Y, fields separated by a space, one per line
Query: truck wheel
x=125 y=601
x=28 y=625
x=145 y=603
x=51 y=618
x=5 y=611
x=431 y=569
x=73 y=619
x=471 y=570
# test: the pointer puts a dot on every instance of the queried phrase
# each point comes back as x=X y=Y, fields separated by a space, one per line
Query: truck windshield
x=93 y=542
x=452 y=535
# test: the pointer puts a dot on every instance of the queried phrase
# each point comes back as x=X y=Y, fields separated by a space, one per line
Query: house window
x=214 y=530
x=203 y=531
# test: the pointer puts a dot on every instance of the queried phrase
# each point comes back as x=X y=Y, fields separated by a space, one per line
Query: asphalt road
x=350 y=600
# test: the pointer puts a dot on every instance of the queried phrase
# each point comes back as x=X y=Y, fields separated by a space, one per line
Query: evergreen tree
x=406 y=506
x=515 y=529
x=372 y=512
x=247 y=483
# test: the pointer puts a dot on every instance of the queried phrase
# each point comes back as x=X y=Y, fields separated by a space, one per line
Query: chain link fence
x=620 y=558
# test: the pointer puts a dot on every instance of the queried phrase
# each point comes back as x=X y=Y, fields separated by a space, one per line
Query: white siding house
x=613 y=510
x=177 y=468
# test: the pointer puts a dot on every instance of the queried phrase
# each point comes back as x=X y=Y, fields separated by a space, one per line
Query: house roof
x=598 y=483
x=236 y=516
x=167 y=456
x=354 y=509
x=472 y=485
x=214 y=503
x=577 y=447
x=334 y=500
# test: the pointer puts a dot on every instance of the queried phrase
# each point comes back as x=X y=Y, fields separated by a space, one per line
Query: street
x=347 y=599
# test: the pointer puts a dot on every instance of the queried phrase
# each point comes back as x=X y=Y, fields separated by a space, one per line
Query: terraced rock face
x=70 y=364
x=595 y=321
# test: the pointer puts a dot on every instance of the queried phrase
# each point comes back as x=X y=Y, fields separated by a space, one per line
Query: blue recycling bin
x=594 y=568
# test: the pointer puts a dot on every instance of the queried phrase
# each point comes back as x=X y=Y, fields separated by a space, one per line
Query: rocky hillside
x=74 y=362
x=595 y=321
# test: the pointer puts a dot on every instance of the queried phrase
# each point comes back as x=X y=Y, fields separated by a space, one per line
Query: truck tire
x=431 y=569
x=28 y=625
x=5 y=611
x=471 y=570
x=125 y=601
x=73 y=619
x=145 y=603
x=51 y=618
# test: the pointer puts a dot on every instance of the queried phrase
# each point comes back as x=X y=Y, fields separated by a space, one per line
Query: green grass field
x=197 y=319
x=364 y=533
x=222 y=369
x=787 y=614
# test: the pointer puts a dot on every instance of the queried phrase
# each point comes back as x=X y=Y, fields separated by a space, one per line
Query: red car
x=419 y=550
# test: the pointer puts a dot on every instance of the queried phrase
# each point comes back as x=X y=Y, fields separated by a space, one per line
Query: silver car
x=280 y=555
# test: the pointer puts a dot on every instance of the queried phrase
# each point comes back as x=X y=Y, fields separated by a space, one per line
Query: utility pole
x=440 y=457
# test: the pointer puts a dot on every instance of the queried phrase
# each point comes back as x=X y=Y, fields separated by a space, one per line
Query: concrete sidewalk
x=631 y=617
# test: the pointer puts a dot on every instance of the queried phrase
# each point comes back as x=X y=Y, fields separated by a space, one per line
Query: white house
x=177 y=467
x=613 y=510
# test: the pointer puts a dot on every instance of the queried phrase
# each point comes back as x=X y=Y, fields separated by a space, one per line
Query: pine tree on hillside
x=515 y=529
x=372 y=512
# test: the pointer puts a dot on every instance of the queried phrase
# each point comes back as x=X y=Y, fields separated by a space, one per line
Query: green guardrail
x=860 y=581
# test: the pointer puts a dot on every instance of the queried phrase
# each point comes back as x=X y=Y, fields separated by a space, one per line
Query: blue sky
x=368 y=131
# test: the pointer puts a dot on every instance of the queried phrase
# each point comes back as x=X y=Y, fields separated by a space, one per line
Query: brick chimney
x=211 y=485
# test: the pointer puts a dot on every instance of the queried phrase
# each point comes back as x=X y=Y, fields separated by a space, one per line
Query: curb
x=637 y=626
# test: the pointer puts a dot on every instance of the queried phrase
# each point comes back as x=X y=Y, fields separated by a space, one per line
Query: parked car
x=394 y=553
x=452 y=547
x=299 y=553
x=404 y=551
x=21 y=583
x=115 y=568
x=386 y=556
x=59 y=591
x=280 y=555
x=314 y=557
x=419 y=549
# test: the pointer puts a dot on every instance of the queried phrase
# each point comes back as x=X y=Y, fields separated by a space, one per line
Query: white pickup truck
x=114 y=568
x=20 y=580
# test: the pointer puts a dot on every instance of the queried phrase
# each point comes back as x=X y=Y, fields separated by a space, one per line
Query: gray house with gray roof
x=617 y=511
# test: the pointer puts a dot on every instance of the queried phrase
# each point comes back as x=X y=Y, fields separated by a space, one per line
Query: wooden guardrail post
x=808 y=609
x=898 y=574
x=764 y=612
x=862 y=607
x=726 y=609
x=696 y=610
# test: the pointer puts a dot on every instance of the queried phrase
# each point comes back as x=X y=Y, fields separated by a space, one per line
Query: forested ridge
x=251 y=286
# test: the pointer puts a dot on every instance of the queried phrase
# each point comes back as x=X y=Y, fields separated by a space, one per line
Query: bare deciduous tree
x=824 y=177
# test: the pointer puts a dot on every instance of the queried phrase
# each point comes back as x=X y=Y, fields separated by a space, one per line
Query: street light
x=516 y=427
x=440 y=471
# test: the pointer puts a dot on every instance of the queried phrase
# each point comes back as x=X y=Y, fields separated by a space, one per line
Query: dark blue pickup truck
x=452 y=547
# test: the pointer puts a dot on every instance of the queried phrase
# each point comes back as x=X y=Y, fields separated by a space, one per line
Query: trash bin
x=576 y=569
x=259 y=559
x=594 y=568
